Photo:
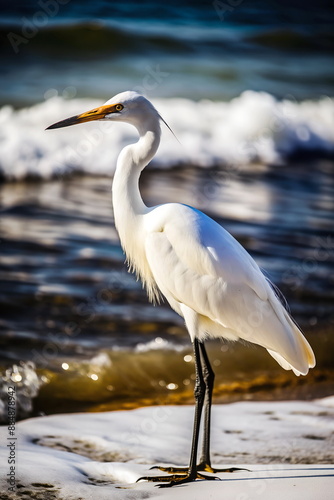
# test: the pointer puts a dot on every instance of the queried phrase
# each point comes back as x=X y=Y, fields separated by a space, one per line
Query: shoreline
x=270 y=387
x=83 y=455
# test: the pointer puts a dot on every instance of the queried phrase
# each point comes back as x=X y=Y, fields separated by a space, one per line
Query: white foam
x=329 y=402
x=22 y=383
x=101 y=455
x=252 y=127
x=158 y=344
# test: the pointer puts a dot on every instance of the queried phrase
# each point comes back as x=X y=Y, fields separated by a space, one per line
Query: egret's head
x=129 y=107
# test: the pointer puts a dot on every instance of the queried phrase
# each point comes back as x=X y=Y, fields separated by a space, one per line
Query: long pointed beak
x=93 y=114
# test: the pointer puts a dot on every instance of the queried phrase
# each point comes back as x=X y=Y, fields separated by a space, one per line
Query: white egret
x=204 y=273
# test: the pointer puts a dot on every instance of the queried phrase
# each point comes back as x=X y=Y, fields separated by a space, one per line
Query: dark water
x=195 y=49
x=66 y=296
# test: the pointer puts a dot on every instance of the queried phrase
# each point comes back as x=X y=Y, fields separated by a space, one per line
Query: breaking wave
x=254 y=127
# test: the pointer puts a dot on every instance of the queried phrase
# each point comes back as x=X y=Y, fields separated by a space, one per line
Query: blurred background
x=247 y=87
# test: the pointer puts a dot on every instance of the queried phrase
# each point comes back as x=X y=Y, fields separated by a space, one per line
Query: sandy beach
x=287 y=447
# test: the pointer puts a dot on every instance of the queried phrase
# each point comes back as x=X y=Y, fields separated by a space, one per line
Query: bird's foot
x=175 y=479
x=200 y=467
x=208 y=468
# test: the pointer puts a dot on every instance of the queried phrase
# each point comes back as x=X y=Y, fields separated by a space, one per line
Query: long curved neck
x=127 y=200
x=128 y=205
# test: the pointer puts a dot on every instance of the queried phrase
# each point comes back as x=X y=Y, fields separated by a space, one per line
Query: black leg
x=208 y=377
x=192 y=473
x=199 y=393
x=203 y=398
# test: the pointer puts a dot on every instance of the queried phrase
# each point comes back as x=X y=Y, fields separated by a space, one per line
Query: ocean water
x=194 y=50
x=247 y=88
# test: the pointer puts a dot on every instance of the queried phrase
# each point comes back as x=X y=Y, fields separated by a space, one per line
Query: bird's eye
x=119 y=107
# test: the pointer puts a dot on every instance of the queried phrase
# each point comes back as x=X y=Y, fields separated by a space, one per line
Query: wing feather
x=197 y=263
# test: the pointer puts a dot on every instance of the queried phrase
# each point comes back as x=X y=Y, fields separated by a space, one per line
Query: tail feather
x=284 y=364
x=305 y=358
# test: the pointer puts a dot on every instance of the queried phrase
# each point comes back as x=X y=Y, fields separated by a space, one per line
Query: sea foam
x=252 y=127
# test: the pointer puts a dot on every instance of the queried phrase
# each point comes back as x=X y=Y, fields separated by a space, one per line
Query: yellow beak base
x=93 y=114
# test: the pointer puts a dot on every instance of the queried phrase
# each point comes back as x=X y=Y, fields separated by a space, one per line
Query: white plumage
x=204 y=273
x=197 y=265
